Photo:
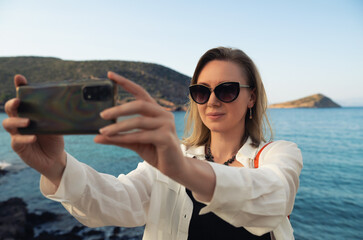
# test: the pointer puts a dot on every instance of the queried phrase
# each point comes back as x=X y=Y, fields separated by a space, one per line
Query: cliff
x=313 y=101
x=164 y=84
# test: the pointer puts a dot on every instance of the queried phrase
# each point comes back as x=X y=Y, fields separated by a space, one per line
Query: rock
x=13 y=220
x=3 y=172
x=313 y=101
x=116 y=230
x=52 y=236
x=37 y=219
x=93 y=233
x=17 y=224
x=121 y=233
x=77 y=229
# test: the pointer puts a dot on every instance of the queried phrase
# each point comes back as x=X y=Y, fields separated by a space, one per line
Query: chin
x=224 y=127
x=214 y=128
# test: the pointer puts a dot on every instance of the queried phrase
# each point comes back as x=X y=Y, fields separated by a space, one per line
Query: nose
x=213 y=100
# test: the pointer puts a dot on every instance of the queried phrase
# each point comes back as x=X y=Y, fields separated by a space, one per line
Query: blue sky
x=300 y=47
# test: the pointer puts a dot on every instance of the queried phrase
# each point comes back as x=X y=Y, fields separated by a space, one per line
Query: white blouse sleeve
x=258 y=199
x=96 y=199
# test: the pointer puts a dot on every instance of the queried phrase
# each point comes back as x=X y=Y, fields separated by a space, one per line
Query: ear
x=252 y=100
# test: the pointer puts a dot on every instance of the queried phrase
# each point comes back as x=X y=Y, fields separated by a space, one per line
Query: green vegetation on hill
x=161 y=82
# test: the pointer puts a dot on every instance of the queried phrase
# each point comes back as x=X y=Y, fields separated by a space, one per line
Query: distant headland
x=168 y=87
x=313 y=101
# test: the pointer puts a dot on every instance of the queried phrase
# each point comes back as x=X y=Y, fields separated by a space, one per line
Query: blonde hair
x=197 y=133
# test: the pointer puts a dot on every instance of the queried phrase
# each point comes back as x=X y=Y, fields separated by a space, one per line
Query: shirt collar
x=247 y=150
x=197 y=151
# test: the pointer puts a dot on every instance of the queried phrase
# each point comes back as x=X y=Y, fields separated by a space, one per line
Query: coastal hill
x=313 y=101
x=167 y=86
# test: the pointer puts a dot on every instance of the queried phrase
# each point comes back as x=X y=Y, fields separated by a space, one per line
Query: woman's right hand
x=44 y=153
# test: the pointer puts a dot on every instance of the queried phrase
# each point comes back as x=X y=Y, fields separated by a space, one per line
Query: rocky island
x=313 y=101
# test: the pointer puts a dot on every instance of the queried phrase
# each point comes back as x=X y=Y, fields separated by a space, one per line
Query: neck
x=224 y=146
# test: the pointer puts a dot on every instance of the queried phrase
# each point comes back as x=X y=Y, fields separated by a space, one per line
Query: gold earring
x=250 y=113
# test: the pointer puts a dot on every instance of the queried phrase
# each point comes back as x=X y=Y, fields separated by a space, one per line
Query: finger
x=19 y=80
x=141 y=137
x=131 y=108
x=108 y=140
x=142 y=123
x=105 y=140
x=11 y=107
x=131 y=87
x=18 y=142
x=11 y=125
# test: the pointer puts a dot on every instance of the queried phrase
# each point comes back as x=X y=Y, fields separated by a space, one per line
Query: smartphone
x=66 y=107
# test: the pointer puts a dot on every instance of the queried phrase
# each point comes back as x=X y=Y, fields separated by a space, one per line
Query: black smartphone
x=66 y=107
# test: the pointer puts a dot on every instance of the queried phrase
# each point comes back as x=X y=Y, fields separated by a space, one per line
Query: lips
x=215 y=115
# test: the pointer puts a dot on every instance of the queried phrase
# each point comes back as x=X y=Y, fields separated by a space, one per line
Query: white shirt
x=258 y=199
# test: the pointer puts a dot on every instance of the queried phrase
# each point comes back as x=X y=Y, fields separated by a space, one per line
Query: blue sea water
x=329 y=203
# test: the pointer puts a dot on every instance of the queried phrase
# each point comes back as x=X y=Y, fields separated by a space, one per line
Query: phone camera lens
x=97 y=93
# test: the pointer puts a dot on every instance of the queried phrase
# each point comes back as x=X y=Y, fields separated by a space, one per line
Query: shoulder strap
x=257 y=158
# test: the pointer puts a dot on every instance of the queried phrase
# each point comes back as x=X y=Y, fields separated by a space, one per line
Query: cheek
x=240 y=114
x=245 y=100
x=240 y=109
x=201 y=110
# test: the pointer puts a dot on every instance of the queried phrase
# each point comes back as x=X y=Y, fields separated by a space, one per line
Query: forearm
x=97 y=199
x=199 y=177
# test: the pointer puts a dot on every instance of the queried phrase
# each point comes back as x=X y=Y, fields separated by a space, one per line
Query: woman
x=175 y=192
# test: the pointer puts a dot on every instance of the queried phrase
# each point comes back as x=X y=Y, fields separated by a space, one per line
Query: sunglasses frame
x=213 y=89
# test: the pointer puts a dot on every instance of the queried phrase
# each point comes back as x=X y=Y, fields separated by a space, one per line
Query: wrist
x=55 y=176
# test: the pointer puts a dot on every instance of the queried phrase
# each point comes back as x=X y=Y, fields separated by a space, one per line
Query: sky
x=300 y=47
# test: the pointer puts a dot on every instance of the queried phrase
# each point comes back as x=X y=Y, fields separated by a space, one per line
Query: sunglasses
x=226 y=92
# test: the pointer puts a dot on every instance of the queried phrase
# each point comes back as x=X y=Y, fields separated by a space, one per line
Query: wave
x=12 y=165
x=4 y=165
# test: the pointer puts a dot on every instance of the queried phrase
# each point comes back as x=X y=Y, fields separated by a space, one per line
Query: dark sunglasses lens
x=227 y=92
x=200 y=94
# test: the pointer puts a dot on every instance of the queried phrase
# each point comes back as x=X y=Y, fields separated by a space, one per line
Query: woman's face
x=219 y=116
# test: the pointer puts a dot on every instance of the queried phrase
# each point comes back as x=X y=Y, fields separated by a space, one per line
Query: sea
x=329 y=202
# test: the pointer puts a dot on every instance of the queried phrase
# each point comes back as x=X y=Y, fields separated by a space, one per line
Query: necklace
x=209 y=157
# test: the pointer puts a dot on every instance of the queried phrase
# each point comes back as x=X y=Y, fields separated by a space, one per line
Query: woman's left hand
x=155 y=140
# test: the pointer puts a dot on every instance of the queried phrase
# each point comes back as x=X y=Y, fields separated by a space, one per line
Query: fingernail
x=25 y=122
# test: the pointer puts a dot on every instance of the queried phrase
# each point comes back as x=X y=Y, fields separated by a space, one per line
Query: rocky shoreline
x=16 y=223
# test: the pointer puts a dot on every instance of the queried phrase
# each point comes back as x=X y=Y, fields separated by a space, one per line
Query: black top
x=210 y=226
